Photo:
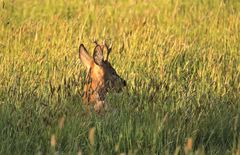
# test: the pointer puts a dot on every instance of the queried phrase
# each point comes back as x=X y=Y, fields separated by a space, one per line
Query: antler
x=95 y=41
x=109 y=48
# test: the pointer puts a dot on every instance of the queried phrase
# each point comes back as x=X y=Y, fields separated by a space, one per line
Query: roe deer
x=101 y=76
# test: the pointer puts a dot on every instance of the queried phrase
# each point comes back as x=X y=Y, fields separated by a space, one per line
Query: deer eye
x=114 y=73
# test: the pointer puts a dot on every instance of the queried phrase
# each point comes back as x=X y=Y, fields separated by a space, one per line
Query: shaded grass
x=181 y=61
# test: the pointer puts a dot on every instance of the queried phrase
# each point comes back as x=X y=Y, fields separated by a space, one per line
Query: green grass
x=181 y=60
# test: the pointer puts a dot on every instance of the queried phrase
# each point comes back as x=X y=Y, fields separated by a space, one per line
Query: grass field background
x=181 y=61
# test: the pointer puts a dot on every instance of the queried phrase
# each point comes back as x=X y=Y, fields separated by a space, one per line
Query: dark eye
x=113 y=72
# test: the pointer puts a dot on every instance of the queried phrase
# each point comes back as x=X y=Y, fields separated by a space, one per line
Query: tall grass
x=181 y=61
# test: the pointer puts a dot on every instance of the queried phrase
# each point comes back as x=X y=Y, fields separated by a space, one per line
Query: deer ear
x=84 y=56
x=98 y=55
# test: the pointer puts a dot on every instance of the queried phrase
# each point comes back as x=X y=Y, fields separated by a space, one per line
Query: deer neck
x=94 y=91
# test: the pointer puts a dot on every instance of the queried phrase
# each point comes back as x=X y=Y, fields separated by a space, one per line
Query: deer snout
x=124 y=83
x=120 y=84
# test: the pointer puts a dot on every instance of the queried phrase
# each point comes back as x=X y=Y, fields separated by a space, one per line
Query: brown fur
x=101 y=77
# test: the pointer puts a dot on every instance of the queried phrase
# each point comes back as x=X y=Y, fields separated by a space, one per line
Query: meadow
x=181 y=61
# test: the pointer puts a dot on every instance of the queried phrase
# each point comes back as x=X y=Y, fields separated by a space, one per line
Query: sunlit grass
x=181 y=61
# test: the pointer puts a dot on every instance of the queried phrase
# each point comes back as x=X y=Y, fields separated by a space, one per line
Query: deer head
x=101 y=76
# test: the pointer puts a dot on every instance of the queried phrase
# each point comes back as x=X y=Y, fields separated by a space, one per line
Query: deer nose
x=124 y=83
